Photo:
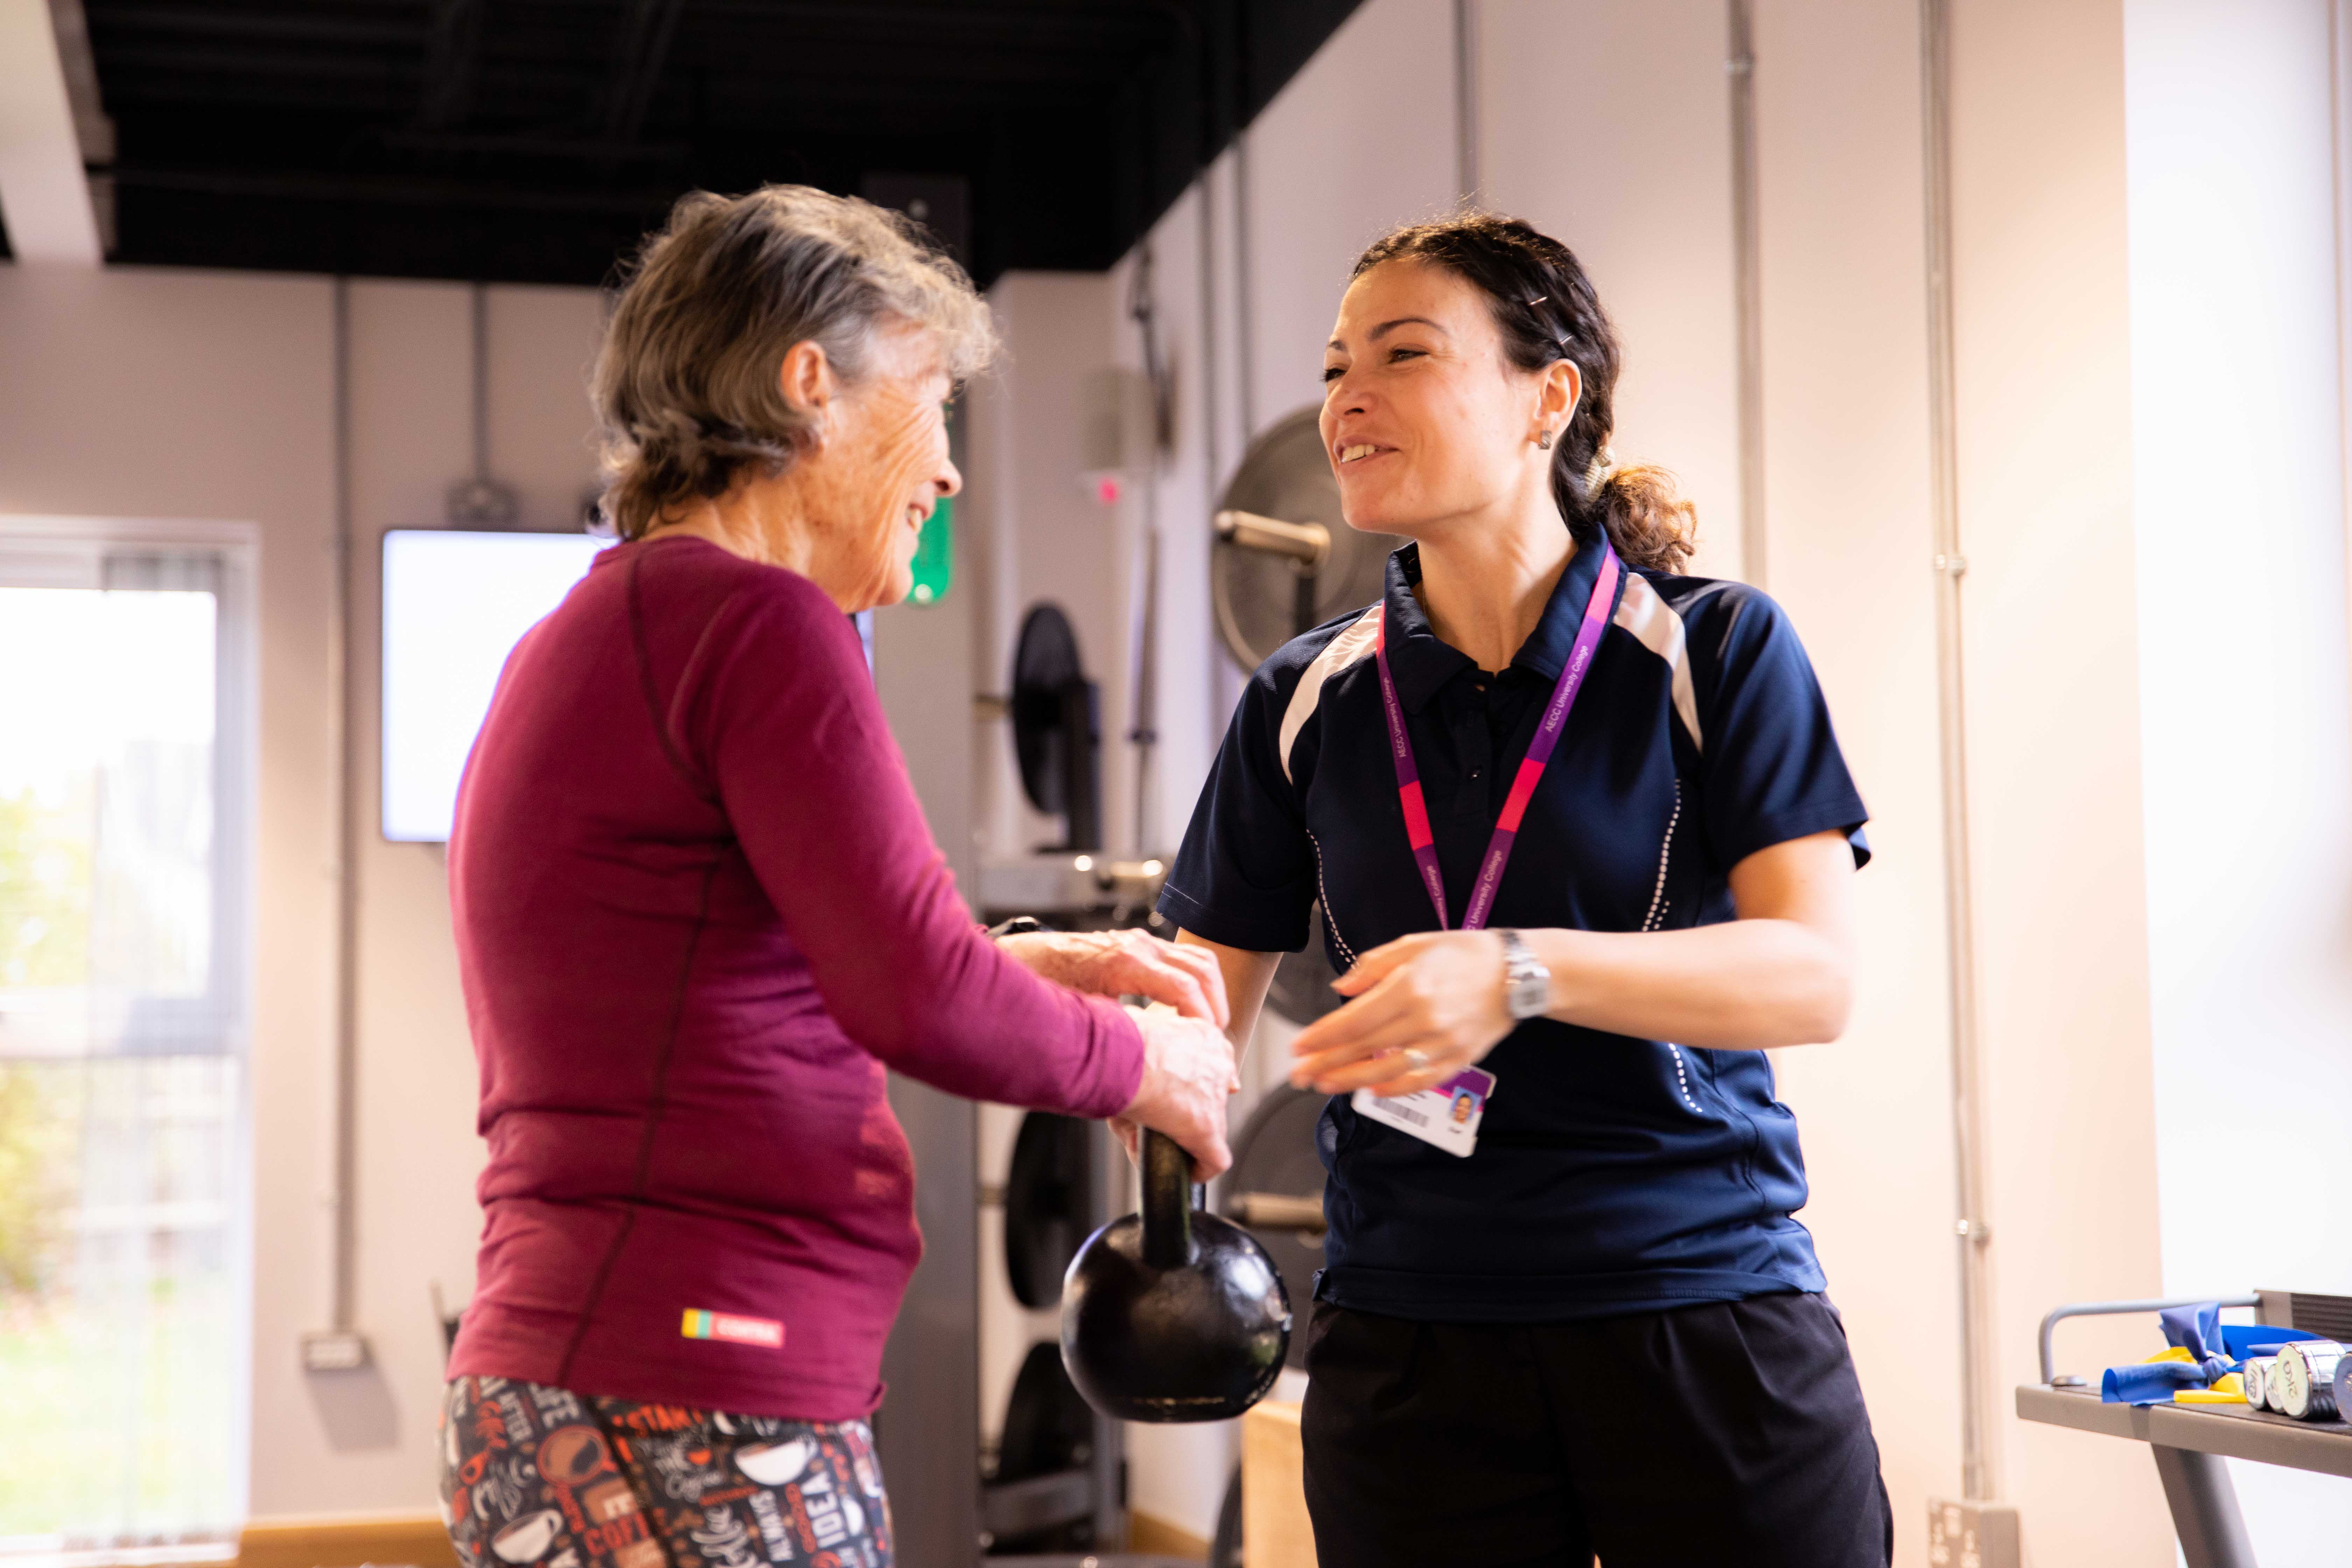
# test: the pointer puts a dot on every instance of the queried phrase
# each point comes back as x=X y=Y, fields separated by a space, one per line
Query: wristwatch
x=1527 y=983
x=1019 y=925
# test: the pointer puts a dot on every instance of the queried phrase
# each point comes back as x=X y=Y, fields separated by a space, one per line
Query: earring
x=1543 y=440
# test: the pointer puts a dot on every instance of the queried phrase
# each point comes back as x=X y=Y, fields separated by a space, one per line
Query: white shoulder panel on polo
x=1355 y=643
x=1656 y=627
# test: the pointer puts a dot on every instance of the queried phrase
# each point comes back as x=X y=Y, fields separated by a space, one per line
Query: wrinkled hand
x=1127 y=963
x=1188 y=1071
x=1437 y=993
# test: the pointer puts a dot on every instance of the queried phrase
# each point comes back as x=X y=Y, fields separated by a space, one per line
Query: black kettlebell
x=1174 y=1314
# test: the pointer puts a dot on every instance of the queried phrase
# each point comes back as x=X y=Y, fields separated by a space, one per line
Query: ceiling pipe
x=44 y=194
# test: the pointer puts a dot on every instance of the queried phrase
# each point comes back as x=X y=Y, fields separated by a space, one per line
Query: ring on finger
x=1416 y=1059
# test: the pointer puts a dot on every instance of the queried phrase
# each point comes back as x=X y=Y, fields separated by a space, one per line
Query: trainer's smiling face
x=1424 y=418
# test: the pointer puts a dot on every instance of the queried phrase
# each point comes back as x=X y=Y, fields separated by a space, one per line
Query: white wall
x=2146 y=374
x=1841 y=185
x=417 y=1221
x=1606 y=121
x=153 y=393
x=1608 y=127
x=2237 y=514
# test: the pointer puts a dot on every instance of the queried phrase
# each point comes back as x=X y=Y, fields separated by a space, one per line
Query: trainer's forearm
x=1248 y=976
x=1745 y=984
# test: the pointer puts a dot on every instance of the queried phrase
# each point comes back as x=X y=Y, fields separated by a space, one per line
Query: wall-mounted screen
x=455 y=604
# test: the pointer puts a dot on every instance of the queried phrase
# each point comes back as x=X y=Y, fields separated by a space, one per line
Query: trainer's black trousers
x=1727 y=1434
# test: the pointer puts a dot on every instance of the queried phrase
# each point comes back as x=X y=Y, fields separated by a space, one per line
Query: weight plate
x=1276 y=1152
x=1047 y=1429
x=1045 y=660
x=1225 y=1551
x=1286 y=475
x=1048 y=1426
x=1046 y=1201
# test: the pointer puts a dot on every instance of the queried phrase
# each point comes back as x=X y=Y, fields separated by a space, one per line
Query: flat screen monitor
x=455 y=605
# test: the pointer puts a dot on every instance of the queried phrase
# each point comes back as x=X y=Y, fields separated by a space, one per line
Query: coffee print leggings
x=531 y=1475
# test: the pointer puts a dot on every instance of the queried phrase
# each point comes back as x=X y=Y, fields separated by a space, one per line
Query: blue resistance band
x=2217 y=1346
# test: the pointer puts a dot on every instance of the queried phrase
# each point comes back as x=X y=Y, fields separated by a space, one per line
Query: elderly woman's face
x=880 y=468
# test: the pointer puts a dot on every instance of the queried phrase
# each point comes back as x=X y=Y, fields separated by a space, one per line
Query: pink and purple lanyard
x=1523 y=787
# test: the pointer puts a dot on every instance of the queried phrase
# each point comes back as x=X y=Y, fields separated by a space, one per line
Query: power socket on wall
x=334 y=1351
x=1972 y=1535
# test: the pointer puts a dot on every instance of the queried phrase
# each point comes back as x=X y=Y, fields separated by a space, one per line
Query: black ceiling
x=536 y=140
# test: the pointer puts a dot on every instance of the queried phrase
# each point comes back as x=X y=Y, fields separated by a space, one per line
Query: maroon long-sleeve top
x=697 y=913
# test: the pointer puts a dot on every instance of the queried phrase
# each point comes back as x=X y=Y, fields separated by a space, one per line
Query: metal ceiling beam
x=640 y=48
x=279 y=27
x=453 y=53
x=1051 y=26
x=1076 y=120
x=44 y=194
x=227 y=62
x=393 y=191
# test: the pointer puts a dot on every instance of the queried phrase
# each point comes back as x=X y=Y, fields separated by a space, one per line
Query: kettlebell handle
x=1169 y=1198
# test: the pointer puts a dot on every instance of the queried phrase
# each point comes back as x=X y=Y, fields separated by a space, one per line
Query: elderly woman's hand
x=1188 y=1072
x=1127 y=963
x=1421 y=1009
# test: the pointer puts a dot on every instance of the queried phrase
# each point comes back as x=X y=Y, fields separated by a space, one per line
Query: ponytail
x=1548 y=311
x=1651 y=524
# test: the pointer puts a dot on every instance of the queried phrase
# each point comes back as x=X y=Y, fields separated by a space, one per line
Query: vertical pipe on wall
x=1979 y=1400
x=340 y=707
x=481 y=348
x=1740 y=67
x=1467 y=173
x=2339 y=114
x=1212 y=443
x=1244 y=313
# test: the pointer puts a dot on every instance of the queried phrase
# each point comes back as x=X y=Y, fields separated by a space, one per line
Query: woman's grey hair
x=688 y=384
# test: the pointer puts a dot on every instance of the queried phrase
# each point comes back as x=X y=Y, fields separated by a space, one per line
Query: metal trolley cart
x=2190 y=1441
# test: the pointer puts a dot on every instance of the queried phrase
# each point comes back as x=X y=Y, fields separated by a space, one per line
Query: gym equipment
x=1275 y=1189
x=1042 y=1498
x=1283 y=563
x=2189 y=1442
x=1283 y=560
x=1057 y=727
x=1225 y=1547
x=1045 y=1205
x=1053 y=1484
x=1174 y=1314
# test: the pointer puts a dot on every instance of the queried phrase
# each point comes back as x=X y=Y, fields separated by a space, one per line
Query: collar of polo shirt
x=1420 y=663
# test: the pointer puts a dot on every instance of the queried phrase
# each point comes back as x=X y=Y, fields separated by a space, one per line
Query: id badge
x=1444 y=1115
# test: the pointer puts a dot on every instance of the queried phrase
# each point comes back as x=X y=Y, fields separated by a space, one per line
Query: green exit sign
x=934 y=565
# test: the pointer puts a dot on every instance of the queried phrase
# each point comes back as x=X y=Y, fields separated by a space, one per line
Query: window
x=126 y=668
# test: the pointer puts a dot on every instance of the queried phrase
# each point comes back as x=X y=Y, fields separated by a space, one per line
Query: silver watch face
x=1527 y=993
x=1527 y=983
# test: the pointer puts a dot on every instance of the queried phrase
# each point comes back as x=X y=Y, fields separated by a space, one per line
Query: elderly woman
x=699 y=913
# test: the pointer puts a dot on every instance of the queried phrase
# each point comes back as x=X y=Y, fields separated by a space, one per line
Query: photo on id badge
x=1445 y=1115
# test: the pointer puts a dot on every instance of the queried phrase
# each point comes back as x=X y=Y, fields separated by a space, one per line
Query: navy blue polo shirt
x=1611 y=1174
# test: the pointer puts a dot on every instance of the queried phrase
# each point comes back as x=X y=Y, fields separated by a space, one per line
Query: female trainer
x=698 y=913
x=1583 y=841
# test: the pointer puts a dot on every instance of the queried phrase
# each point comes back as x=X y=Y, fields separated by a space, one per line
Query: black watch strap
x=1019 y=925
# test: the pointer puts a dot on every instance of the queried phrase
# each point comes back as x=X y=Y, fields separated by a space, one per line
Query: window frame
x=70 y=551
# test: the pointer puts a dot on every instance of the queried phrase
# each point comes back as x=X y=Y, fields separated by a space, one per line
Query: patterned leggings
x=537 y=1475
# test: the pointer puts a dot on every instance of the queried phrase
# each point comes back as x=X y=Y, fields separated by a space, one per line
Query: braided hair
x=1546 y=311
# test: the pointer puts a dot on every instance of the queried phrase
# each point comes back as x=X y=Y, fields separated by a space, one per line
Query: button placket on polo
x=1474 y=744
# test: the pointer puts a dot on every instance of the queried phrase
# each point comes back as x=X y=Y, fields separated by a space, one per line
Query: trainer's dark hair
x=1546 y=311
